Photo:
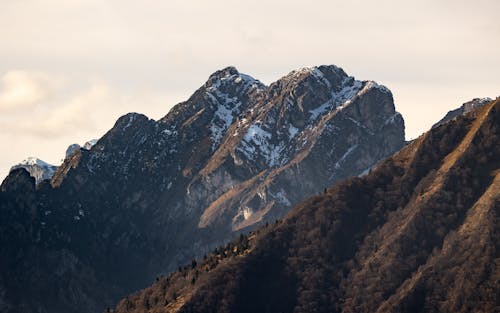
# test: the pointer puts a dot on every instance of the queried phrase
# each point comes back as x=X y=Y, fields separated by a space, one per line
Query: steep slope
x=150 y=195
x=420 y=233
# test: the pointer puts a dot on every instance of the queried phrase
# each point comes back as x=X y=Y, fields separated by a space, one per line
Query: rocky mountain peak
x=224 y=73
x=38 y=169
x=235 y=155
x=71 y=149
x=18 y=181
x=131 y=120
x=226 y=84
x=328 y=76
x=463 y=109
x=476 y=102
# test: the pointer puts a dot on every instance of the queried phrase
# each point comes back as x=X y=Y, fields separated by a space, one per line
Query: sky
x=70 y=68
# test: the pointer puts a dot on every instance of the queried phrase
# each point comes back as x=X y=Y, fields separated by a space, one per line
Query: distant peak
x=317 y=70
x=326 y=74
x=130 y=119
x=476 y=102
x=35 y=161
x=463 y=109
x=38 y=169
x=229 y=75
x=225 y=72
x=370 y=84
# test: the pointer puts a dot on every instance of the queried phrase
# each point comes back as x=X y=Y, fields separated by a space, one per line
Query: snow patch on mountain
x=256 y=143
x=338 y=99
x=224 y=90
x=223 y=117
x=338 y=164
x=292 y=131
x=38 y=169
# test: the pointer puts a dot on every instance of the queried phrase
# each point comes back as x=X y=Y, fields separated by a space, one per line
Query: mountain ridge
x=419 y=233
x=151 y=195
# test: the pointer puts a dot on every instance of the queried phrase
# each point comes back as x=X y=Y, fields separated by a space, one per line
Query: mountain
x=38 y=169
x=419 y=233
x=465 y=108
x=152 y=195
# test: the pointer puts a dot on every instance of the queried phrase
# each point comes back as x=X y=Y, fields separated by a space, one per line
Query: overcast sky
x=70 y=68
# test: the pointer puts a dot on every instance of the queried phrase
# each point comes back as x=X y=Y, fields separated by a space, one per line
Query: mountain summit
x=151 y=195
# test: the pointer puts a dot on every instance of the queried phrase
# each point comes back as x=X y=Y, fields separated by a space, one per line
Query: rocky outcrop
x=73 y=147
x=150 y=195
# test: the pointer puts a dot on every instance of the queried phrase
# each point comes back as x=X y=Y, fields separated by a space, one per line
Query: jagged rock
x=150 y=195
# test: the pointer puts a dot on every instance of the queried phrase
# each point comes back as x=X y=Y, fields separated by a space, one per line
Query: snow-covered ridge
x=260 y=141
x=38 y=169
x=35 y=161
x=338 y=99
x=313 y=70
x=228 y=77
x=318 y=72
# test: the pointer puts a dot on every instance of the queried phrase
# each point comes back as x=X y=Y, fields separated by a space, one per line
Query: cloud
x=73 y=114
x=42 y=105
x=24 y=90
x=42 y=113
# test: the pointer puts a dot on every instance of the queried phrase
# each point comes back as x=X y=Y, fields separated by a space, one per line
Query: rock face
x=150 y=195
x=420 y=233
x=37 y=168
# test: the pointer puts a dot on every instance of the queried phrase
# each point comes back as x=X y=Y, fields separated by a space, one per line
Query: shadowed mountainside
x=420 y=233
